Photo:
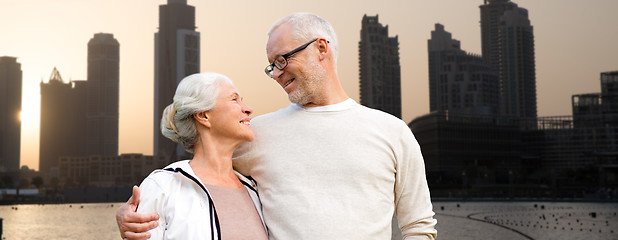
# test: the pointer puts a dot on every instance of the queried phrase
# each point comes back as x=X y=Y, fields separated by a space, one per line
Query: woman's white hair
x=308 y=26
x=196 y=93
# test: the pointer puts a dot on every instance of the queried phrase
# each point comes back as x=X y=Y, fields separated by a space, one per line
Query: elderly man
x=326 y=166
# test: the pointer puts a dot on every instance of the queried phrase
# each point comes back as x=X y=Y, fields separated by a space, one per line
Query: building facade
x=63 y=121
x=10 y=109
x=566 y=155
x=459 y=81
x=491 y=15
x=80 y=118
x=517 y=64
x=595 y=120
x=107 y=171
x=103 y=95
x=508 y=47
x=469 y=149
x=177 y=55
x=380 y=71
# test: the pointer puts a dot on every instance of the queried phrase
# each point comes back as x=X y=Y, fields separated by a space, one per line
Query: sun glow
x=30 y=117
x=29 y=114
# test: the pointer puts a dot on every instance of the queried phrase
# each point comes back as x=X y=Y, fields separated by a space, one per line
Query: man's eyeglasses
x=282 y=60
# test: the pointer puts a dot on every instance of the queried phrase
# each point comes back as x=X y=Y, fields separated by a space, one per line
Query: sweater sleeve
x=412 y=200
x=152 y=200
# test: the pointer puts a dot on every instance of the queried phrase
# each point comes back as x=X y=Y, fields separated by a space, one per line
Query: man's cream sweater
x=337 y=172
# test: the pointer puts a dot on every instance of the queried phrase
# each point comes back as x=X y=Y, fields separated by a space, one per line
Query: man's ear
x=323 y=47
x=202 y=118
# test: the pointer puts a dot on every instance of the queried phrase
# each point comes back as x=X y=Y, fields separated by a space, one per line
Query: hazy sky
x=575 y=41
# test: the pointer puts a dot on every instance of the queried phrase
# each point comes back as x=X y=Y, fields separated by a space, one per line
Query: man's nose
x=277 y=73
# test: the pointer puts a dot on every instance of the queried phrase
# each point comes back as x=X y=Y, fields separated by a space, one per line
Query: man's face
x=302 y=77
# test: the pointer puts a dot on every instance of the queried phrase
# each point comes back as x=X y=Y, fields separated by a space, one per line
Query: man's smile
x=288 y=82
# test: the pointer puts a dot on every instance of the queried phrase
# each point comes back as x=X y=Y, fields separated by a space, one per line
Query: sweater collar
x=347 y=104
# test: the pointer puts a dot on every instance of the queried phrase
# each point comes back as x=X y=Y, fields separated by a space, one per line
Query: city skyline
x=573 y=41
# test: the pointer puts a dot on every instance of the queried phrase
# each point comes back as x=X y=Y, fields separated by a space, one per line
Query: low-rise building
x=102 y=171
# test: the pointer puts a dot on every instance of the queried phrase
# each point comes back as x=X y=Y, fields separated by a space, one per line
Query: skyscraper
x=459 y=81
x=10 y=108
x=508 y=46
x=440 y=44
x=80 y=118
x=177 y=55
x=491 y=14
x=380 y=72
x=103 y=95
x=63 y=121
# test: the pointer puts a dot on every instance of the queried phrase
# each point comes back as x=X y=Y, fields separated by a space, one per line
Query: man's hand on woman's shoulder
x=133 y=225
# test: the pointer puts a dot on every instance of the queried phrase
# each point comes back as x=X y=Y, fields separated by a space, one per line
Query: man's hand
x=133 y=225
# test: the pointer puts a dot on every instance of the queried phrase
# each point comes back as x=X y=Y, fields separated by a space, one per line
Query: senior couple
x=326 y=167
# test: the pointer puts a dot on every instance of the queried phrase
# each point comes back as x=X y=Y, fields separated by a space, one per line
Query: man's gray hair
x=308 y=26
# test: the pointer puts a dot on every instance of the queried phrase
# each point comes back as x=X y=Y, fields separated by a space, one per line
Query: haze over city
x=574 y=43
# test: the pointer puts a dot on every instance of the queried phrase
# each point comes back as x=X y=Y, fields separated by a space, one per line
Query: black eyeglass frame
x=269 y=69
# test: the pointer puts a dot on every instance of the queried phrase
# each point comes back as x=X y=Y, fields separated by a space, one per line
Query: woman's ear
x=202 y=118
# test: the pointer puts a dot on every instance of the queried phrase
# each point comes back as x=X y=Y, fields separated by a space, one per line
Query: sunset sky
x=575 y=41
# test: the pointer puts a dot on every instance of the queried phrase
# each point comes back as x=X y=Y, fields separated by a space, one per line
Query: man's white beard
x=307 y=86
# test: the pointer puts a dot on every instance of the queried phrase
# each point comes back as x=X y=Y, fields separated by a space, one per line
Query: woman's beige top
x=238 y=218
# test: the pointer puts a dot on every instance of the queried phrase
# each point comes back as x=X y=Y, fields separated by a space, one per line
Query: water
x=60 y=221
x=471 y=220
x=526 y=220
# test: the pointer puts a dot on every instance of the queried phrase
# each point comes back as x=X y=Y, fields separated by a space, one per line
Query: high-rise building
x=491 y=15
x=80 y=118
x=440 y=44
x=517 y=64
x=10 y=109
x=177 y=55
x=508 y=46
x=380 y=72
x=103 y=95
x=459 y=81
x=63 y=121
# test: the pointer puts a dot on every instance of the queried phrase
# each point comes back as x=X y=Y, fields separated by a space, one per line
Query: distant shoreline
x=590 y=200
x=8 y=203
x=463 y=200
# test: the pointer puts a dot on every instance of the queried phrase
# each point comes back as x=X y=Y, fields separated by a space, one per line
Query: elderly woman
x=204 y=198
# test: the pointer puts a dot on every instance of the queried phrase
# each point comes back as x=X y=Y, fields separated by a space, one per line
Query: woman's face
x=230 y=116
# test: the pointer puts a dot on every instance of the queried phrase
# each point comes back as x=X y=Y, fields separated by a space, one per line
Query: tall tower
x=177 y=55
x=103 y=95
x=63 y=121
x=508 y=46
x=380 y=72
x=459 y=81
x=491 y=14
x=10 y=108
x=517 y=65
x=440 y=45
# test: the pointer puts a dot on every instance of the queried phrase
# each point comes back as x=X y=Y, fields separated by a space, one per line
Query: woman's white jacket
x=185 y=207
